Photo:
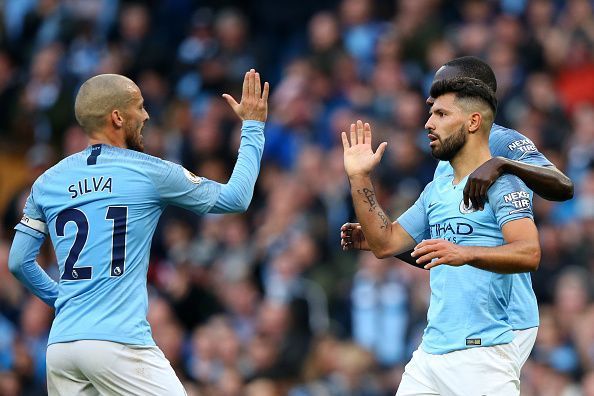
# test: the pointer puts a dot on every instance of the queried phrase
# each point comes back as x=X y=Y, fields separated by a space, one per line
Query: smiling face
x=446 y=127
x=134 y=117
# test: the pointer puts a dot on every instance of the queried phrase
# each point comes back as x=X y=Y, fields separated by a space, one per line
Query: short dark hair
x=473 y=67
x=465 y=87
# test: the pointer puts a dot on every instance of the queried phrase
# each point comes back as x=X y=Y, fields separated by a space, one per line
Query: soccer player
x=467 y=345
x=100 y=208
x=512 y=153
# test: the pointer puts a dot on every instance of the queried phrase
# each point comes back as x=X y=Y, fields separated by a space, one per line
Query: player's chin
x=435 y=152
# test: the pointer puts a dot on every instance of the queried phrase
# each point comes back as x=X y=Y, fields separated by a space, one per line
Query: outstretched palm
x=254 y=98
x=359 y=158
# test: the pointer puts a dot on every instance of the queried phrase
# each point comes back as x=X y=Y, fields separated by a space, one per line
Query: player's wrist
x=469 y=255
x=502 y=165
x=253 y=123
x=359 y=176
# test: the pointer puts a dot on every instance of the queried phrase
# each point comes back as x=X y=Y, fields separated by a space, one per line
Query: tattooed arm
x=383 y=237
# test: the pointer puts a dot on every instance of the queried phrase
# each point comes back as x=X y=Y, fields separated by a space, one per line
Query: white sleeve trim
x=37 y=225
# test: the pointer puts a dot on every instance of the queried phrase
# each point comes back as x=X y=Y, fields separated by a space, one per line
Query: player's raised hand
x=433 y=252
x=254 y=98
x=352 y=238
x=359 y=158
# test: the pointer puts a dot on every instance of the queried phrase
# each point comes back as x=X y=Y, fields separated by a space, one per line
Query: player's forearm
x=511 y=258
x=375 y=224
x=237 y=194
x=21 y=262
x=547 y=181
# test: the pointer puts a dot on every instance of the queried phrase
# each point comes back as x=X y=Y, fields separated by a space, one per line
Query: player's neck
x=111 y=139
x=470 y=157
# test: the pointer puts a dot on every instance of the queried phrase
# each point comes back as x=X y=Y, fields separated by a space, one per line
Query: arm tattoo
x=370 y=198
x=384 y=219
x=372 y=201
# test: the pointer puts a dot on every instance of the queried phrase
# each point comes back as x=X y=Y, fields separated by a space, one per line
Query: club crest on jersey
x=466 y=209
x=192 y=177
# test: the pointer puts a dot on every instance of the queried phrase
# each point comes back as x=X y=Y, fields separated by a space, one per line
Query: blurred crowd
x=266 y=303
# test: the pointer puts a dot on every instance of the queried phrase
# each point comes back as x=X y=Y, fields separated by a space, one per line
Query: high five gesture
x=359 y=158
x=254 y=99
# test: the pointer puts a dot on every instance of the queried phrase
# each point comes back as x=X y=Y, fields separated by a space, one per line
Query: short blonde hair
x=99 y=96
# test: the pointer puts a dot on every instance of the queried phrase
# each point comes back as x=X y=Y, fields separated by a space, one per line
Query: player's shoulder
x=116 y=157
x=509 y=196
x=506 y=135
x=130 y=155
x=64 y=166
x=502 y=138
x=137 y=164
x=507 y=183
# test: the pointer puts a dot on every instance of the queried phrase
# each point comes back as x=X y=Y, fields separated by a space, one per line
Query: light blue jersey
x=509 y=143
x=469 y=306
x=101 y=207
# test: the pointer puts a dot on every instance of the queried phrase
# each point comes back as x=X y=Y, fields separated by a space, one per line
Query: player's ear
x=474 y=122
x=116 y=118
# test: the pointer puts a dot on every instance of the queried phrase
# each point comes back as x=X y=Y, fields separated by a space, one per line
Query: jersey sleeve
x=237 y=194
x=178 y=186
x=33 y=221
x=510 y=199
x=21 y=263
x=513 y=145
x=415 y=221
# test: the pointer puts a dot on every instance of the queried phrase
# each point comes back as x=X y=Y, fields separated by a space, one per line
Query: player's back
x=101 y=207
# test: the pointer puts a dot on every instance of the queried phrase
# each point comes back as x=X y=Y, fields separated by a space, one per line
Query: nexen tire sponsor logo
x=519 y=199
x=524 y=145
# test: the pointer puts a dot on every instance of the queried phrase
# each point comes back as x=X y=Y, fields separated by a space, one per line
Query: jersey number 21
x=119 y=216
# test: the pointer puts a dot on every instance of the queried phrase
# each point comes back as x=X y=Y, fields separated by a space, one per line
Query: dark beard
x=450 y=146
x=133 y=140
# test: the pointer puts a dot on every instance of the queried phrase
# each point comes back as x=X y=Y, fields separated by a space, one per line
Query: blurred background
x=266 y=303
